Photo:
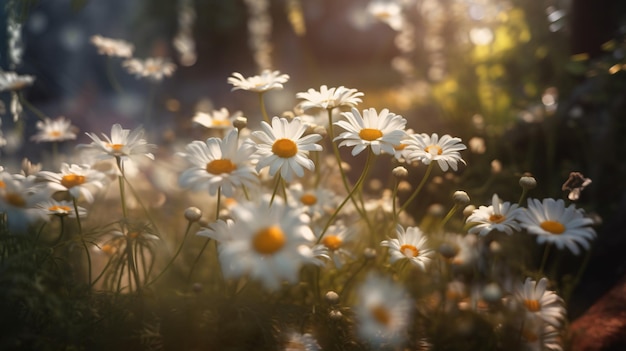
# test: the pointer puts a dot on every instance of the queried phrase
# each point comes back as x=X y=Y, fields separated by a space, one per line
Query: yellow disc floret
x=220 y=166
x=269 y=240
x=370 y=134
x=285 y=148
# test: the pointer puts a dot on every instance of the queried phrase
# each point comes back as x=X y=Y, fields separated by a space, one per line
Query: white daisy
x=460 y=250
x=219 y=230
x=267 y=80
x=552 y=222
x=19 y=196
x=56 y=130
x=301 y=342
x=425 y=148
x=327 y=98
x=77 y=180
x=13 y=81
x=401 y=152
x=500 y=216
x=540 y=336
x=383 y=311
x=336 y=239
x=155 y=68
x=316 y=202
x=218 y=119
x=389 y=12
x=380 y=132
x=123 y=144
x=61 y=208
x=218 y=164
x=411 y=245
x=269 y=244
x=540 y=302
x=112 y=47
x=281 y=146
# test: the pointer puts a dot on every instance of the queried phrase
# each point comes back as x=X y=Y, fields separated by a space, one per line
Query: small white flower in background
x=268 y=244
x=218 y=164
x=281 y=147
x=301 y=342
x=219 y=230
x=427 y=148
x=552 y=222
x=329 y=98
x=383 y=311
x=19 y=196
x=267 y=80
x=218 y=119
x=316 y=202
x=382 y=132
x=123 y=143
x=12 y=81
x=401 y=153
x=540 y=302
x=500 y=216
x=76 y=179
x=460 y=250
x=155 y=68
x=386 y=11
x=336 y=239
x=56 y=130
x=411 y=245
x=112 y=47
x=61 y=208
x=540 y=336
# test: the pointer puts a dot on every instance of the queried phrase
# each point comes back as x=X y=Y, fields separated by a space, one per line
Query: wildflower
x=460 y=250
x=540 y=302
x=193 y=214
x=219 y=230
x=540 y=336
x=270 y=244
x=77 y=180
x=527 y=182
x=500 y=216
x=552 y=222
x=331 y=98
x=281 y=146
x=388 y=12
x=383 y=311
x=575 y=184
x=380 y=132
x=336 y=239
x=123 y=144
x=218 y=119
x=112 y=47
x=58 y=130
x=18 y=197
x=155 y=68
x=411 y=245
x=218 y=164
x=301 y=342
x=61 y=208
x=12 y=81
x=268 y=80
x=444 y=150
x=315 y=202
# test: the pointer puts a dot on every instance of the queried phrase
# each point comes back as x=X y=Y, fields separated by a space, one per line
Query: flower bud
x=461 y=198
x=528 y=182
x=240 y=123
x=332 y=297
x=468 y=210
x=193 y=214
x=369 y=253
x=400 y=172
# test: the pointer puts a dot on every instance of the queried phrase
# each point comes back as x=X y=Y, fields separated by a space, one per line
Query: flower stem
x=82 y=239
x=31 y=107
x=263 y=111
x=418 y=189
x=169 y=264
x=449 y=215
x=278 y=181
x=544 y=259
x=114 y=83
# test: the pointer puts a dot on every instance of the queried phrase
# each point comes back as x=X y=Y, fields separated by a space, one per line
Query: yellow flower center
x=268 y=240
x=220 y=123
x=370 y=134
x=332 y=242
x=15 y=199
x=54 y=133
x=116 y=147
x=59 y=208
x=529 y=336
x=308 y=199
x=133 y=235
x=532 y=305
x=381 y=315
x=108 y=249
x=220 y=166
x=496 y=218
x=399 y=147
x=553 y=227
x=3 y=185
x=434 y=149
x=409 y=250
x=72 y=180
x=284 y=148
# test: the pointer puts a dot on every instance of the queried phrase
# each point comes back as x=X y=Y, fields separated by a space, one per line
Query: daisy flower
x=411 y=245
x=554 y=223
x=77 y=180
x=155 y=68
x=218 y=164
x=269 y=244
x=301 y=342
x=500 y=216
x=13 y=81
x=218 y=119
x=219 y=230
x=61 y=208
x=336 y=239
x=444 y=150
x=388 y=12
x=267 y=80
x=539 y=336
x=540 y=302
x=460 y=250
x=54 y=131
x=19 y=196
x=380 y=132
x=123 y=144
x=316 y=202
x=281 y=146
x=327 y=98
x=383 y=311
x=112 y=47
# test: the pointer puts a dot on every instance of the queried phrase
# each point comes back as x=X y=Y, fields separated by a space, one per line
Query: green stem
x=351 y=278
x=61 y=231
x=523 y=196
x=449 y=215
x=197 y=259
x=218 y=204
x=419 y=187
x=31 y=107
x=278 y=179
x=544 y=259
x=114 y=83
x=169 y=264
x=82 y=239
x=263 y=111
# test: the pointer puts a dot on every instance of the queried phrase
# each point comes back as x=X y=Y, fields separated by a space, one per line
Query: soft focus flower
x=61 y=208
x=301 y=342
x=155 y=68
x=267 y=243
x=112 y=47
x=500 y=216
x=219 y=230
x=444 y=150
x=218 y=119
x=540 y=302
x=281 y=146
x=540 y=336
x=56 y=130
x=336 y=239
x=13 y=81
x=218 y=164
x=382 y=132
x=123 y=144
x=554 y=223
x=19 y=196
x=77 y=180
x=383 y=311
x=386 y=11
x=411 y=245
x=327 y=98
x=268 y=80
x=315 y=201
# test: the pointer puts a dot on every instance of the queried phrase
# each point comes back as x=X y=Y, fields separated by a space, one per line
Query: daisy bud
x=447 y=250
x=492 y=292
x=335 y=315
x=240 y=123
x=193 y=214
x=369 y=253
x=332 y=297
x=400 y=172
x=468 y=210
x=528 y=182
x=460 y=198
